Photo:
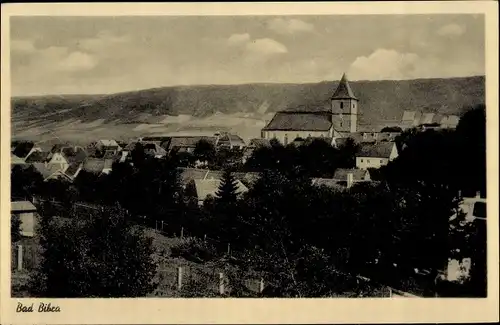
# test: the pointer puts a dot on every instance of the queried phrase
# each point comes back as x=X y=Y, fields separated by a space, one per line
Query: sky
x=100 y=55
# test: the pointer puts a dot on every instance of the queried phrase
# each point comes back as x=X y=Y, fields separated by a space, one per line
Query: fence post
x=228 y=248
x=261 y=285
x=182 y=232
x=179 y=277
x=19 y=257
x=205 y=238
x=156 y=225
x=221 y=283
x=162 y=225
x=390 y=292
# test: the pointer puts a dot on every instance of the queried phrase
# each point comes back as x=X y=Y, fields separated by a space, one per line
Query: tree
x=15 y=228
x=95 y=254
x=392 y=129
x=138 y=155
x=228 y=188
x=25 y=182
x=204 y=151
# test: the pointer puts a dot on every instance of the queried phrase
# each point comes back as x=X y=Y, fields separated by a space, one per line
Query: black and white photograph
x=248 y=156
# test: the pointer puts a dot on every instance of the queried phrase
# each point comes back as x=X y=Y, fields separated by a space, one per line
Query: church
x=339 y=121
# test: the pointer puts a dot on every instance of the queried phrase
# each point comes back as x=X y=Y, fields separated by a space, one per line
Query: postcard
x=226 y=163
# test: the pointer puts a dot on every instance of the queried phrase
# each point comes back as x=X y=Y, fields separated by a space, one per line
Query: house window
x=286 y=139
x=381 y=161
x=274 y=135
x=368 y=160
x=361 y=160
x=341 y=105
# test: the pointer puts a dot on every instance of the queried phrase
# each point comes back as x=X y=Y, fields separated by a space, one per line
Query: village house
x=229 y=141
x=51 y=171
x=24 y=149
x=425 y=121
x=26 y=212
x=357 y=175
x=64 y=155
x=375 y=155
x=181 y=144
x=15 y=160
x=337 y=121
x=107 y=146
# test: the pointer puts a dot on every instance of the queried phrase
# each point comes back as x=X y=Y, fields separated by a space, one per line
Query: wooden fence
x=24 y=257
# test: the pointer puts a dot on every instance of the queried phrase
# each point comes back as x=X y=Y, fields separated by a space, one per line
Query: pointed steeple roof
x=343 y=90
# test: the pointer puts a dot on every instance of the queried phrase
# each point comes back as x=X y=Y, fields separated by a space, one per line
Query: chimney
x=478 y=194
x=350 y=180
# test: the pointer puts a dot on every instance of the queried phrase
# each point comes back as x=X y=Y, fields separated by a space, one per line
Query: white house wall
x=370 y=162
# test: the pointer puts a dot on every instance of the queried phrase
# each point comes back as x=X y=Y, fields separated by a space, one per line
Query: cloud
x=237 y=39
x=289 y=26
x=384 y=64
x=266 y=46
x=77 y=61
x=25 y=46
x=451 y=30
x=102 y=41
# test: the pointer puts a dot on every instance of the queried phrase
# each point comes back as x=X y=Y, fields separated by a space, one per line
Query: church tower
x=344 y=108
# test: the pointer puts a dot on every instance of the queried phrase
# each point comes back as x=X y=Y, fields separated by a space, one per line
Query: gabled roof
x=15 y=160
x=107 y=143
x=154 y=148
x=257 y=143
x=189 y=141
x=343 y=90
x=37 y=156
x=300 y=121
x=109 y=154
x=74 y=155
x=93 y=165
x=427 y=118
x=73 y=169
x=22 y=206
x=23 y=148
x=376 y=150
x=207 y=187
x=47 y=170
x=357 y=174
x=231 y=139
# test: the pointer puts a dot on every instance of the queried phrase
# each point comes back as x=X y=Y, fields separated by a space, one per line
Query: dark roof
x=258 y=143
x=15 y=160
x=357 y=174
x=23 y=148
x=47 y=169
x=110 y=154
x=74 y=155
x=154 y=148
x=72 y=169
x=231 y=139
x=93 y=165
x=378 y=150
x=343 y=90
x=37 y=156
x=189 y=141
x=300 y=121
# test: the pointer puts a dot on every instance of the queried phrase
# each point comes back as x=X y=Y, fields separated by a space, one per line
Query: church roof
x=343 y=90
x=300 y=121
